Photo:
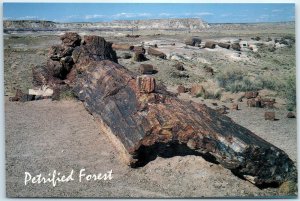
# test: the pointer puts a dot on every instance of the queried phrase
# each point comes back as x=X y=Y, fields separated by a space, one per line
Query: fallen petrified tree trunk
x=210 y=44
x=147 y=121
x=224 y=45
x=157 y=53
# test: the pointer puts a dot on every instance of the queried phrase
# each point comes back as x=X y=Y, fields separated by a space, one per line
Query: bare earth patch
x=43 y=136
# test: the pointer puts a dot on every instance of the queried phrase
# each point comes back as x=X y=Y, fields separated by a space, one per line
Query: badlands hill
x=158 y=24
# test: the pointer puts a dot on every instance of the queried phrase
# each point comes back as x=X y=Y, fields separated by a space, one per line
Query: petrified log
x=236 y=46
x=210 y=44
x=291 y=115
x=270 y=116
x=193 y=41
x=145 y=124
x=157 y=53
x=224 y=45
x=179 y=66
x=146 y=69
x=180 y=89
x=139 y=49
x=122 y=47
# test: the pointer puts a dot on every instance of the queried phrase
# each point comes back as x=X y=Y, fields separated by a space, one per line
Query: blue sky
x=94 y=12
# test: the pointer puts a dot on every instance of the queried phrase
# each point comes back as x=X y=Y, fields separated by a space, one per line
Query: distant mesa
x=151 y=24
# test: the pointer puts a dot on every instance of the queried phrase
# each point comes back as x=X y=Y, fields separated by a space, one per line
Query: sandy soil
x=43 y=136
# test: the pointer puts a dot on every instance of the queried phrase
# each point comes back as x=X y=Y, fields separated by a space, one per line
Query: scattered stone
x=197 y=89
x=139 y=54
x=236 y=46
x=257 y=38
x=291 y=115
x=222 y=109
x=139 y=49
x=139 y=57
x=193 y=41
x=224 y=45
x=210 y=44
x=209 y=70
x=253 y=102
x=251 y=94
x=132 y=36
x=270 y=116
x=181 y=89
x=179 y=66
x=154 y=52
x=146 y=69
x=268 y=102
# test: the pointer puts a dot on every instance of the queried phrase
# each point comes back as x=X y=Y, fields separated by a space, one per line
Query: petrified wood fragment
x=146 y=69
x=210 y=44
x=157 y=53
x=193 y=41
x=145 y=124
x=224 y=45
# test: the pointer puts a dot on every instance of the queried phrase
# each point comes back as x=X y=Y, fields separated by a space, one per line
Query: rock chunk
x=71 y=39
x=157 y=53
x=270 y=116
x=193 y=41
x=197 y=89
x=210 y=44
x=146 y=69
x=291 y=115
x=251 y=94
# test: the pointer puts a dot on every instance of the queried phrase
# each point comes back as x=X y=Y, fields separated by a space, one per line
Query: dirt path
x=43 y=136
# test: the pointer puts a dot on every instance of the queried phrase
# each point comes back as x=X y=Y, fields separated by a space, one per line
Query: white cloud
x=28 y=18
x=95 y=16
x=7 y=18
x=165 y=14
x=130 y=15
x=264 y=16
x=198 y=14
x=203 y=13
x=226 y=14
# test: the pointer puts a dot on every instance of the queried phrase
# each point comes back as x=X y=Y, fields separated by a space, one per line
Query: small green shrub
x=210 y=94
x=67 y=95
x=290 y=92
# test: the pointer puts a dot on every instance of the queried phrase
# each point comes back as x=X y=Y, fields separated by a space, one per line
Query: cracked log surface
x=152 y=123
